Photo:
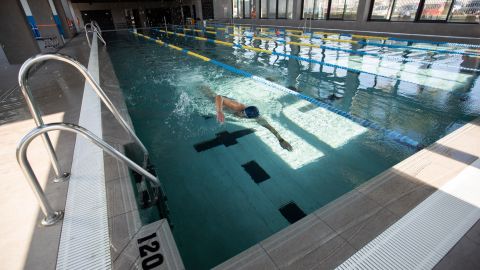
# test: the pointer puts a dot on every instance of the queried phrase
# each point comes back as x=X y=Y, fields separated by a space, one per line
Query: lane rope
x=300 y=58
x=453 y=44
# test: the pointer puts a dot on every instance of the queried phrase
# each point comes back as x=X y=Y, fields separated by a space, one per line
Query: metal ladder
x=42 y=129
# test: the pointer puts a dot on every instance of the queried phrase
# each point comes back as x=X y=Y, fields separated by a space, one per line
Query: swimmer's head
x=250 y=112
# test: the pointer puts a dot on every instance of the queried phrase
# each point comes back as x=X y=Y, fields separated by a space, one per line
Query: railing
x=22 y=80
x=52 y=216
x=95 y=29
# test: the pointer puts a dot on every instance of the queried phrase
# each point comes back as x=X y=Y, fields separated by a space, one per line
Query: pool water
x=220 y=203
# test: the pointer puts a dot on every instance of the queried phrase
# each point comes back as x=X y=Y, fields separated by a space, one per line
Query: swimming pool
x=230 y=186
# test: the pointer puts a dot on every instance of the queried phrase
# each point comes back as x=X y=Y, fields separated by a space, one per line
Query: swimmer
x=243 y=111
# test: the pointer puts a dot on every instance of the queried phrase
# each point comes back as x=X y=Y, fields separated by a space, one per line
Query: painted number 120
x=151 y=258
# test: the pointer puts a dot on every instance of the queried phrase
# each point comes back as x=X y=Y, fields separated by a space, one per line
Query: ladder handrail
x=96 y=30
x=22 y=80
x=51 y=216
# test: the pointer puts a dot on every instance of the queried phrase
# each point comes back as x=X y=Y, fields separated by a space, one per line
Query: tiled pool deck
x=322 y=240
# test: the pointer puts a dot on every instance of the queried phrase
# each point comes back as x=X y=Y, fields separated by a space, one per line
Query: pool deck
x=322 y=240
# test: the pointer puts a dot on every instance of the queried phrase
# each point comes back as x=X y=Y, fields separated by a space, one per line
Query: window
x=350 y=12
x=381 y=10
x=263 y=9
x=405 y=10
x=436 y=10
x=246 y=9
x=465 y=11
x=241 y=9
x=339 y=9
x=276 y=9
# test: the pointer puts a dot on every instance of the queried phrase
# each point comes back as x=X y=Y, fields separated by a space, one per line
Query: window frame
x=418 y=15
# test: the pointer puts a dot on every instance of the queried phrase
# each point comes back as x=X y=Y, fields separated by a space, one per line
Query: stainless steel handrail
x=52 y=216
x=95 y=29
x=22 y=80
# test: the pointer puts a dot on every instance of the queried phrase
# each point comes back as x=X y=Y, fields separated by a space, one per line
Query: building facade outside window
x=460 y=11
x=330 y=9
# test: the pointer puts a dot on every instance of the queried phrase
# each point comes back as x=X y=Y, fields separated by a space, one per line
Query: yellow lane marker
x=175 y=47
x=340 y=40
x=294 y=31
x=224 y=43
x=256 y=49
x=369 y=37
x=198 y=56
x=303 y=44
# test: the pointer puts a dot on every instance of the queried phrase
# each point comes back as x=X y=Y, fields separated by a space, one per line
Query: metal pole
x=51 y=216
x=22 y=80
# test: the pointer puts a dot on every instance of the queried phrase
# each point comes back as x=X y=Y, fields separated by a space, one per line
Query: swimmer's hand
x=220 y=117
x=285 y=145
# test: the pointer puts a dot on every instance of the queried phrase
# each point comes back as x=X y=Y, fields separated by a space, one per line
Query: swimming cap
x=251 y=112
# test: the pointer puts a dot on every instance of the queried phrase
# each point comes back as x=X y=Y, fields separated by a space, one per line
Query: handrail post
x=59 y=175
x=51 y=216
x=22 y=80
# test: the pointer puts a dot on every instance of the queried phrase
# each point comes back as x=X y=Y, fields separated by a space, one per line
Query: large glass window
x=436 y=10
x=241 y=9
x=246 y=9
x=382 y=9
x=282 y=9
x=263 y=9
x=466 y=11
x=350 y=12
x=339 y=9
x=272 y=9
x=405 y=10
x=276 y=9
x=336 y=9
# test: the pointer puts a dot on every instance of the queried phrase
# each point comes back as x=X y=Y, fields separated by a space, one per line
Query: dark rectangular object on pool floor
x=292 y=212
x=226 y=138
x=257 y=173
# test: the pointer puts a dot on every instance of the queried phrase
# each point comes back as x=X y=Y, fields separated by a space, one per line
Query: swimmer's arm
x=219 y=109
x=231 y=104
x=284 y=144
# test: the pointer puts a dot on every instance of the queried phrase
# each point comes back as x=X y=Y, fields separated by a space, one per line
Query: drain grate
x=421 y=238
x=292 y=212
x=257 y=173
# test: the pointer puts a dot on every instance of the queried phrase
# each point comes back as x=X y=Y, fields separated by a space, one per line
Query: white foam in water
x=327 y=126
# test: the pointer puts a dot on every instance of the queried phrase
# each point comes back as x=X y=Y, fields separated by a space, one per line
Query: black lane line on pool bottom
x=257 y=173
x=226 y=138
x=292 y=212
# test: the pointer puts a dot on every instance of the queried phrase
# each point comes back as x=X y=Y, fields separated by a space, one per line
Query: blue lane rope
x=416 y=48
x=393 y=58
x=452 y=44
x=388 y=133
